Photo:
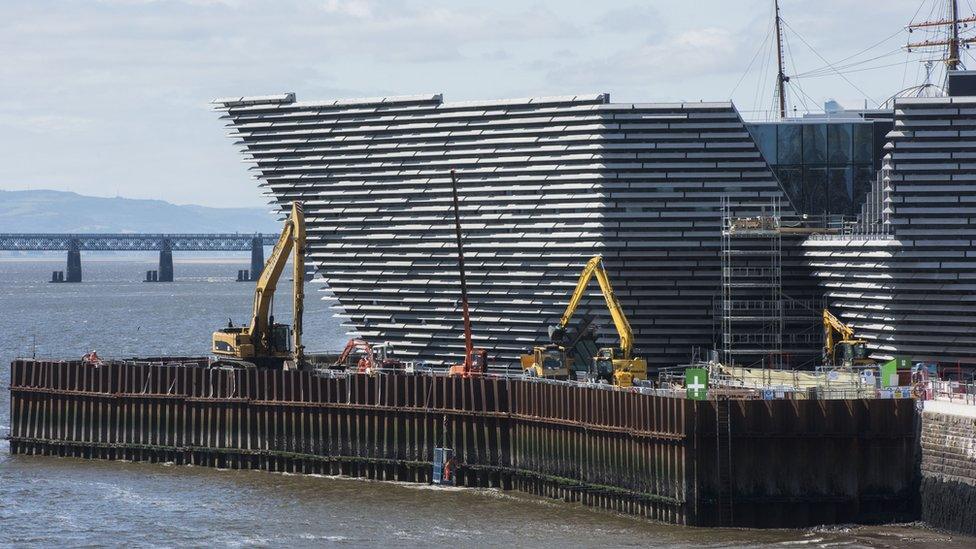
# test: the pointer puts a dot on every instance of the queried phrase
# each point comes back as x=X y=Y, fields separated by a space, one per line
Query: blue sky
x=111 y=97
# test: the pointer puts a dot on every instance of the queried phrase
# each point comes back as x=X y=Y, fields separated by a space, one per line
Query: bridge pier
x=165 y=262
x=257 y=257
x=74 y=262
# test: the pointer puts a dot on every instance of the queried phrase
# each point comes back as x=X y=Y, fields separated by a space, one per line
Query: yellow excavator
x=853 y=350
x=550 y=361
x=615 y=366
x=263 y=343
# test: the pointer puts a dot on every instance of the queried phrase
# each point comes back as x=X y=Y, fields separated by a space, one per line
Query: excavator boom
x=261 y=341
x=833 y=324
x=623 y=369
x=595 y=266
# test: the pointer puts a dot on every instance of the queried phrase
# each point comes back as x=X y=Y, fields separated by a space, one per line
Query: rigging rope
x=822 y=58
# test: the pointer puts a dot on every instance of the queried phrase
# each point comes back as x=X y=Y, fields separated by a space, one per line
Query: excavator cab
x=622 y=371
x=549 y=361
x=281 y=338
x=851 y=351
x=603 y=365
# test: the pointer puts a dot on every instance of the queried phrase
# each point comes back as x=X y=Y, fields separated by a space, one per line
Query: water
x=75 y=502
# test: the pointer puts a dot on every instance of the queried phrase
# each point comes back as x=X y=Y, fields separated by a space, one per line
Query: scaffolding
x=752 y=285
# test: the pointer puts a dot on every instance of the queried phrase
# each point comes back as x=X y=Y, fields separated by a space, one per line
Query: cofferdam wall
x=948 y=484
x=743 y=462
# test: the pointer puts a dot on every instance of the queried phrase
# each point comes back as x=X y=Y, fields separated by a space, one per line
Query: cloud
x=700 y=51
x=634 y=18
x=359 y=9
x=61 y=124
x=130 y=79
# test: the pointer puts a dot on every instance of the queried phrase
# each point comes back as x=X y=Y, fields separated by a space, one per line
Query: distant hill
x=67 y=212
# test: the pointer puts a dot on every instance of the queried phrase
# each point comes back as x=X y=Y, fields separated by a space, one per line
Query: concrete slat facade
x=544 y=184
x=912 y=290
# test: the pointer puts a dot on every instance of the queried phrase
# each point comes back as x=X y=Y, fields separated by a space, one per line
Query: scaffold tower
x=752 y=286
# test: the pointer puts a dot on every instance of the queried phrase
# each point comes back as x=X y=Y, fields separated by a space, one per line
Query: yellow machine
x=550 y=361
x=615 y=366
x=853 y=350
x=262 y=342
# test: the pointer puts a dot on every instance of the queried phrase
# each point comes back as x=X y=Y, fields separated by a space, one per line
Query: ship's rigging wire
x=877 y=56
x=752 y=61
x=758 y=96
x=795 y=85
x=826 y=71
x=865 y=50
x=822 y=58
x=853 y=71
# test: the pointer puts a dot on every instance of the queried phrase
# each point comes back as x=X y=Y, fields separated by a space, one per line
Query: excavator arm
x=298 y=281
x=595 y=266
x=833 y=324
x=257 y=342
x=292 y=238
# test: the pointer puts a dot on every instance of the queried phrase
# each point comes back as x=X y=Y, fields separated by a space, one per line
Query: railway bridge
x=164 y=243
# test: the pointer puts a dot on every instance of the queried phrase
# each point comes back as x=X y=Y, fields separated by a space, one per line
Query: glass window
x=814 y=143
x=863 y=142
x=839 y=143
x=864 y=176
x=840 y=191
x=815 y=190
x=791 y=179
x=789 y=144
x=765 y=137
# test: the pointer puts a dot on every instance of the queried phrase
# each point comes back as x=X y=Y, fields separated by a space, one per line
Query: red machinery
x=373 y=357
x=475 y=360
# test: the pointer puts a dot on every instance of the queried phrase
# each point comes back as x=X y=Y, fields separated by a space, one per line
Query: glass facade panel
x=814 y=143
x=840 y=190
x=765 y=137
x=823 y=167
x=864 y=143
x=815 y=189
x=792 y=181
x=790 y=143
x=839 y=143
x=864 y=176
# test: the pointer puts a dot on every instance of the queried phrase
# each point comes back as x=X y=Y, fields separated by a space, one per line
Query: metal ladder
x=723 y=460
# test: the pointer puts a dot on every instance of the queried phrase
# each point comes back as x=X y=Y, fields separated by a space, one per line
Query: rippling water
x=45 y=501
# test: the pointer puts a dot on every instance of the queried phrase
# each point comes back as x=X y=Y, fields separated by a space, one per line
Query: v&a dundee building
x=545 y=183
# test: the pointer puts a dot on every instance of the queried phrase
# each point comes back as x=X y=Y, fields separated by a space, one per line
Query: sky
x=111 y=98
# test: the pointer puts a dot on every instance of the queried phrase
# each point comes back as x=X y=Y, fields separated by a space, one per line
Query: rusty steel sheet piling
x=707 y=463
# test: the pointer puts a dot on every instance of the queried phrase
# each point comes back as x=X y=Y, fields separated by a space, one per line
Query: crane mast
x=475 y=360
x=468 y=345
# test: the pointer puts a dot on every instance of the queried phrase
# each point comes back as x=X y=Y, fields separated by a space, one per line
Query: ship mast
x=952 y=63
x=952 y=42
x=781 y=78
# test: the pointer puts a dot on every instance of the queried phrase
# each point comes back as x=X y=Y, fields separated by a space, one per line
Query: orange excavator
x=475 y=360
x=374 y=357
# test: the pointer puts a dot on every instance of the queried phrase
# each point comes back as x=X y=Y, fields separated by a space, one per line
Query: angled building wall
x=544 y=184
x=907 y=280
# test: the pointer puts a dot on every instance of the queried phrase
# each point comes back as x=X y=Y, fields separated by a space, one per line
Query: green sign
x=889 y=374
x=696 y=382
